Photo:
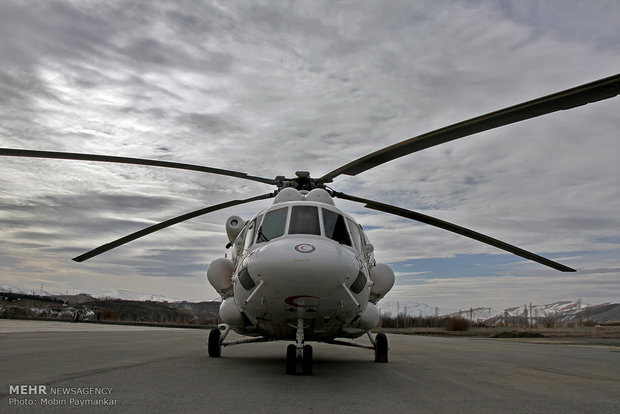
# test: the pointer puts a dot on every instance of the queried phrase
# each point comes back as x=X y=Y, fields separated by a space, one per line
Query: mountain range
x=560 y=311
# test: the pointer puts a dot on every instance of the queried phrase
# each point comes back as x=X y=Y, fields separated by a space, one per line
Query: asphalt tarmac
x=102 y=368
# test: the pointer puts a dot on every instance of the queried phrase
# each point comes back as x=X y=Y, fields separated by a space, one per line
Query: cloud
x=269 y=89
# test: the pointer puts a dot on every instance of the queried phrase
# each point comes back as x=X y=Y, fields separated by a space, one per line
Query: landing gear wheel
x=291 y=359
x=215 y=346
x=307 y=360
x=381 y=348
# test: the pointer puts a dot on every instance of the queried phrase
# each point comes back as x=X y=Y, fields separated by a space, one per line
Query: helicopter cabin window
x=273 y=225
x=249 y=235
x=355 y=235
x=304 y=220
x=335 y=227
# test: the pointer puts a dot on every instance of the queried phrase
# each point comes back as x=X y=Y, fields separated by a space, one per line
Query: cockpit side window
x=365 y=238
x=249 y=235
x=304 y=220
x=273 y=225
x=335 y=227
x=355 y=235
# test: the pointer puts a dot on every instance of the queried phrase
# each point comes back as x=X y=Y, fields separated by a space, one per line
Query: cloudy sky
x=269 y=88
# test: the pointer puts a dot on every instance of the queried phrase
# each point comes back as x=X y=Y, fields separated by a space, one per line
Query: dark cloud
x=211 y=124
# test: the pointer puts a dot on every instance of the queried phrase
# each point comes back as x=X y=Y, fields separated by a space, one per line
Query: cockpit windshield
x=273 y=225
x=304 y=220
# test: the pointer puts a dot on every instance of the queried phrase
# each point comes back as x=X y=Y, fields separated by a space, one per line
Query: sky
x=272 y=87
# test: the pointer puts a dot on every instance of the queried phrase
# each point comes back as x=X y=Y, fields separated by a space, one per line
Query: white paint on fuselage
x=310 y=282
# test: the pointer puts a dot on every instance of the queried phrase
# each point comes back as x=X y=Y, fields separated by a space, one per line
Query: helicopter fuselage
x=302 y=259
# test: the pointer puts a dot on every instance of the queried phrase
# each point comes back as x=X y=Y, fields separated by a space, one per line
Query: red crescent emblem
x=291 y=301
x=305 y=248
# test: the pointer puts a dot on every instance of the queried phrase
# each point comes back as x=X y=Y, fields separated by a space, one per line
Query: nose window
x=304 y=220
x=335 y=228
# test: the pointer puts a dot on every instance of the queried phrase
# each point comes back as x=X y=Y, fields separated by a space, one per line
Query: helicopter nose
x=294 y=264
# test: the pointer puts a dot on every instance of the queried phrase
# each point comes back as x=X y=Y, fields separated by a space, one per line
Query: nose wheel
x=306 y=361
x=299 y=353
x=291 y=359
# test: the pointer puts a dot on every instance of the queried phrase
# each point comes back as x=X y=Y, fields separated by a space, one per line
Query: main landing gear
x=381 y=348
x=217 y=336
x=299 y=352
x=379 y=345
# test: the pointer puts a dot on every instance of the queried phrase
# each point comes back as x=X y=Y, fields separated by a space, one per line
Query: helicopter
x=302 y=270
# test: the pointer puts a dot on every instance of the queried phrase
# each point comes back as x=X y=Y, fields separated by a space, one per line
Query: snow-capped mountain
x=475 y=314
x=561 y=311
x=125 y=294
x=411 y=309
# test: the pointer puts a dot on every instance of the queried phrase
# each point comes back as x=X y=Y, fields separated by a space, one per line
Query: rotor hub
x=302 y=182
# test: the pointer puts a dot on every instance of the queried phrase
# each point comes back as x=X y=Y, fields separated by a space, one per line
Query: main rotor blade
x=141 y=233
x=387 y=208
x=591 y=92
x=125 y=160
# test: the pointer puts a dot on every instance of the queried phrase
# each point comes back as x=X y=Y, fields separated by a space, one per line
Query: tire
x=291 y=359
x=215 y=347
x=381 y=348
x=307 y=360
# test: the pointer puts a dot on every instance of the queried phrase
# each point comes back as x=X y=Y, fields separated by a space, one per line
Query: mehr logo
x=27 y=389
x=305 y=248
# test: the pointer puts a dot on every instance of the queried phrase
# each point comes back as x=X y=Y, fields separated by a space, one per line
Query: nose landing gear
x=299 y=352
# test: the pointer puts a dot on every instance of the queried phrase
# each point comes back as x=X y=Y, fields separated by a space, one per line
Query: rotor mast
x=302 y=182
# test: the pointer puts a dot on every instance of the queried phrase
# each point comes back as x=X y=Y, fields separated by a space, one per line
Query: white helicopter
x=303 y=270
